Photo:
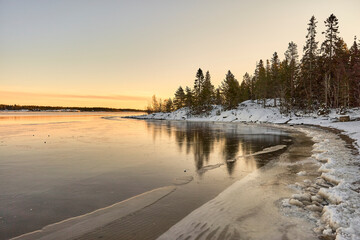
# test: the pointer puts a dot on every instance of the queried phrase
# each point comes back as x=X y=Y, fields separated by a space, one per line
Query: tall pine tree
x=355 y=74
x=341 y=86
x=230 y=89
x=188 y=97
x=198 y=87
x=169 y=105
x=206 y=94
x=275 y=77
x=291 y=56
x=218 y=97
x=328 y=50
x=246 y=87
x=262 y=77
x=179 y=100
x=308 y=68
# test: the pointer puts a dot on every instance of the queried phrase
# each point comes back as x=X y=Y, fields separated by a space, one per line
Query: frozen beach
x=332 y=199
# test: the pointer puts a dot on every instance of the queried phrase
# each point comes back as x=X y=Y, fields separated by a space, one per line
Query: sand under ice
x=78 y=226
x=248 y=209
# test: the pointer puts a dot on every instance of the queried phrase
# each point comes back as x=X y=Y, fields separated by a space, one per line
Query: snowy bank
x=335 y=196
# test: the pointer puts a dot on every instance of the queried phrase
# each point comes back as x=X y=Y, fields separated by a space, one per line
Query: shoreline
x=112 y=227
x=338 y=156
x=252 y=208
x=173 y=198
x=334 y=228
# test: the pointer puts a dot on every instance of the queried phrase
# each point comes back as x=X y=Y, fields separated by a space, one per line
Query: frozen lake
x=54 y=166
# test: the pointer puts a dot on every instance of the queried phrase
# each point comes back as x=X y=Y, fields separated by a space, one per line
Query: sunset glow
x=69 y=100
x=120 y=53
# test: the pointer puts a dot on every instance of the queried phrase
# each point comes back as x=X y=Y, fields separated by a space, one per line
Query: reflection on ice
x=249 y=209
x=239 y=144
x=209 y=167
x=264 y=151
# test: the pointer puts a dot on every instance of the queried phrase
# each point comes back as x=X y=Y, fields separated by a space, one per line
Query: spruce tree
x=230 y=89
x=179 y=100
x=206 y=95
x=309 y=61
x=261 y=81
x=168 y=105
x=292 y=64
x=328 y=50
x=275 y=64
x=285 y=86
x=267 y=80
x=355 y=74
x=245 y=87
x=161 y=106
x=218 y=97
x=188 y=97
x=198 y=88
x=155 y=104
x=341 y=86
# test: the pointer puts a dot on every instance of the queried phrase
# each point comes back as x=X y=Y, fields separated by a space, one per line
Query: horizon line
x=64 y=107
x=58 y=95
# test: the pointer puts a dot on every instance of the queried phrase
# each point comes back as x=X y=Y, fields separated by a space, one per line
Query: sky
x=114 y=53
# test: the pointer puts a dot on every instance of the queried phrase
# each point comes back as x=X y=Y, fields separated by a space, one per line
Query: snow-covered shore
x=339 y=184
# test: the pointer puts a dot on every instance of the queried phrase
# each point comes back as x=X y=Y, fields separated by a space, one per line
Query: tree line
x=35 y=108
x=327 y=76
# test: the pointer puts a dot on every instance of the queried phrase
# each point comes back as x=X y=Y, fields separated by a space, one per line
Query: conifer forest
x=326 y=76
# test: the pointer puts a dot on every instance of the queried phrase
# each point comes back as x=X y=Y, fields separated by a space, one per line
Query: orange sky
x=54 y=99
x=119 y=53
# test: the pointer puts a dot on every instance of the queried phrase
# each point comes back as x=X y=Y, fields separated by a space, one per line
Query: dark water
x=53 y=167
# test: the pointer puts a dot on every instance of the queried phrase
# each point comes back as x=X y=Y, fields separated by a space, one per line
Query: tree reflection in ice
x=233 y=140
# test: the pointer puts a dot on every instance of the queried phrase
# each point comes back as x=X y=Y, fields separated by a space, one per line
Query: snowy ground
x=335 y=196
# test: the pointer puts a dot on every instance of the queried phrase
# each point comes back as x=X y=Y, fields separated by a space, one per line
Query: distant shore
x=34 y=108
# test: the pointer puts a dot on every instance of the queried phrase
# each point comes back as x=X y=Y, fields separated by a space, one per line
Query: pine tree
x=155 y=105
x=355 y=74
x=230 y=89
x=206 y=95
x=261 y=81
x=218 y=97
x=328 y=50
x=246 y=87
x=161 y=106
x=285 y=86
x=168 y=105
x=179 y=100
x=198 y=88
x=267 y=78
x=275 y=64
x=309 y=62
x=268 y=82
x=291 y=56
x=188 y=97
x=252 y=88
x=341 y=87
